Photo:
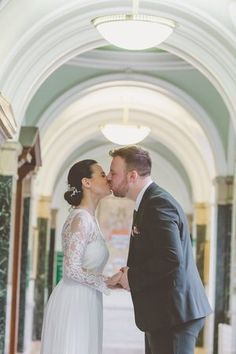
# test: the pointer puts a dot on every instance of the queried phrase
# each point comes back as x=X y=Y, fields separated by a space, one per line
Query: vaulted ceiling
x=60 y=75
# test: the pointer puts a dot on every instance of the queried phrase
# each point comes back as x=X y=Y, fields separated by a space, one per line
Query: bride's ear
x=85 y=182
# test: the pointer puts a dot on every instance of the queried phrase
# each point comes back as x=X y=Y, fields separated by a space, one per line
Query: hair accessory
x=74 y=190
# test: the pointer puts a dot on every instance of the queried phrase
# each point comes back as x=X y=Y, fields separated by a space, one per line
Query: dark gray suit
x=165 y=285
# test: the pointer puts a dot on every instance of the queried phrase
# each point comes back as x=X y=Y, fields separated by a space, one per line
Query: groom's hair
x=136 y=158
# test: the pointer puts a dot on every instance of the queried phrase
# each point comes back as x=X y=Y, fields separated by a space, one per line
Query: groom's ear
x=133 y=175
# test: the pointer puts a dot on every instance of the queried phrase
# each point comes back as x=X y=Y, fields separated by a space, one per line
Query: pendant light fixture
x=125 y=133
x=134 y=31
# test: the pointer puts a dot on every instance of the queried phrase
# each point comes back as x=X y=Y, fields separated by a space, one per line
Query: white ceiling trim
x=232 y=12
x=68 y=32
x=74 y=135
x=115 y=60
x=80 y=117
x=150 y=86
x=158 y=122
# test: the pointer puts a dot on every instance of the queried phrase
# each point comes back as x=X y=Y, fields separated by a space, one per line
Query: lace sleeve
x=76 y=242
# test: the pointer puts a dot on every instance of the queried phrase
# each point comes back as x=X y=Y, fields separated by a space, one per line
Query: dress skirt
x=73 y=320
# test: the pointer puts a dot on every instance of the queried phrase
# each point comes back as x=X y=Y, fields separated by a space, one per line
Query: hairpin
x=72 y=189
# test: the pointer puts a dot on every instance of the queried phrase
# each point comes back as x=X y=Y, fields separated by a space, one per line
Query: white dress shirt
x=140 y=195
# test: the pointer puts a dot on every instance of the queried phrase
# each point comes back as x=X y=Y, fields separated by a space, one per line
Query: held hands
x=119 y=280
x=113 y=282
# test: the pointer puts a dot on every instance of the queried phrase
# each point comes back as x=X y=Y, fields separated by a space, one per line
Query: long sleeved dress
x=73 y=318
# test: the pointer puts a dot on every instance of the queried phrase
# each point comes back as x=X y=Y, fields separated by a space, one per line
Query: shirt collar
x=140 y=195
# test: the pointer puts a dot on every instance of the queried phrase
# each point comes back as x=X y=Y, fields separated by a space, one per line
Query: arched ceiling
x=58 y=33
x=52 y=35
x=176 y=121
x=168 y=68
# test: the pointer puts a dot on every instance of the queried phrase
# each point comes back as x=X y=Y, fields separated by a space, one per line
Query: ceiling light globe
x=134 y=32
x=124 y=134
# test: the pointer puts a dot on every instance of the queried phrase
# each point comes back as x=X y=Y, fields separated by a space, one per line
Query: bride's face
x=99 y=183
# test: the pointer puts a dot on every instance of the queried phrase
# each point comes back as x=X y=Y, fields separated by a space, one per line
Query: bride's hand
x=113 y=282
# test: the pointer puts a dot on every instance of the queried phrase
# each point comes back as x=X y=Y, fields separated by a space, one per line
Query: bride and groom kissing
x=169 y=299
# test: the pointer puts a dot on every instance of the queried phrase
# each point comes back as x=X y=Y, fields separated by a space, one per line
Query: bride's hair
x=78 y=171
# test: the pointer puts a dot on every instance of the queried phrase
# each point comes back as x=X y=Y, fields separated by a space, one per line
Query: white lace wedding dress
x=73 y=318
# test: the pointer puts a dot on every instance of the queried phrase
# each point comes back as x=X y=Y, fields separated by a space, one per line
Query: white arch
x=150 y=85
x=169 y=112
x=67 y=32
x=84 y=107
x=74 y=135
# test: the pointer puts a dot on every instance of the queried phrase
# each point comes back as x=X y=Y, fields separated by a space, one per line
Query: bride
x=73 y=316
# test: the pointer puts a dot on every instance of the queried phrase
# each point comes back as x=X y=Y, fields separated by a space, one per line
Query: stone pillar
x=40 y=292
x=24 y=276
x=28 y=163
x=51 y=265
x=8 y=172
x=202 y=243
x=202 y=240
x=224 y=192
x=233 y=270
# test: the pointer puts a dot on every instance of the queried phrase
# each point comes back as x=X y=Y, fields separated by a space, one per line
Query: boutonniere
x=135 y=231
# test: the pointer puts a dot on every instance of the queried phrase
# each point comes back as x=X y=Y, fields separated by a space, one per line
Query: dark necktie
x=129 y=260
x=134 y=216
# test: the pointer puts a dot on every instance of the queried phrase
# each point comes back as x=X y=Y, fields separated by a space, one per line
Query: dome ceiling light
x=125 y=134
x=134 y=31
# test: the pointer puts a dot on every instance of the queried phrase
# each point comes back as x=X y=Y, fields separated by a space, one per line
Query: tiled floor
x=121 y=336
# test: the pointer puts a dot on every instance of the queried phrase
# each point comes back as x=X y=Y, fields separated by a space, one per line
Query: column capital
x=44 y=207
x=9 y=153
x=224 y=189
x=8 y=126
x=201 y=213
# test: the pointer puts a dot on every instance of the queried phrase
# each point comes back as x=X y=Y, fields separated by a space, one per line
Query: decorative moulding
x=138 y=81
x=8 y=125
x=62 y=35
x=115 y=60
x=90 y=119
x=232 y=12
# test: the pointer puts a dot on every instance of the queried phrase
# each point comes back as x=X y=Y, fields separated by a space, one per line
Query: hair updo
x=78 y=171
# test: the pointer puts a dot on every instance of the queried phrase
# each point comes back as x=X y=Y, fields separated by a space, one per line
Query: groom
x=169 y=300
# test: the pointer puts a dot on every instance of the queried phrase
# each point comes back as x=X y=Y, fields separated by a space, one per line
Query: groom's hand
x=124 y=278
x=114 y=281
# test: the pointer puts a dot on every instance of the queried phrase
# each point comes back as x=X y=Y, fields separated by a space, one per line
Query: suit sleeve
x=162 y=233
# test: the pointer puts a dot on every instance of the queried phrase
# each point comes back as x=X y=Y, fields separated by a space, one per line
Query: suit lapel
x=144 y=200
x=138 y=216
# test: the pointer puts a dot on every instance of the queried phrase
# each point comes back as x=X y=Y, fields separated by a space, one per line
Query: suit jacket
x=165 y=285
